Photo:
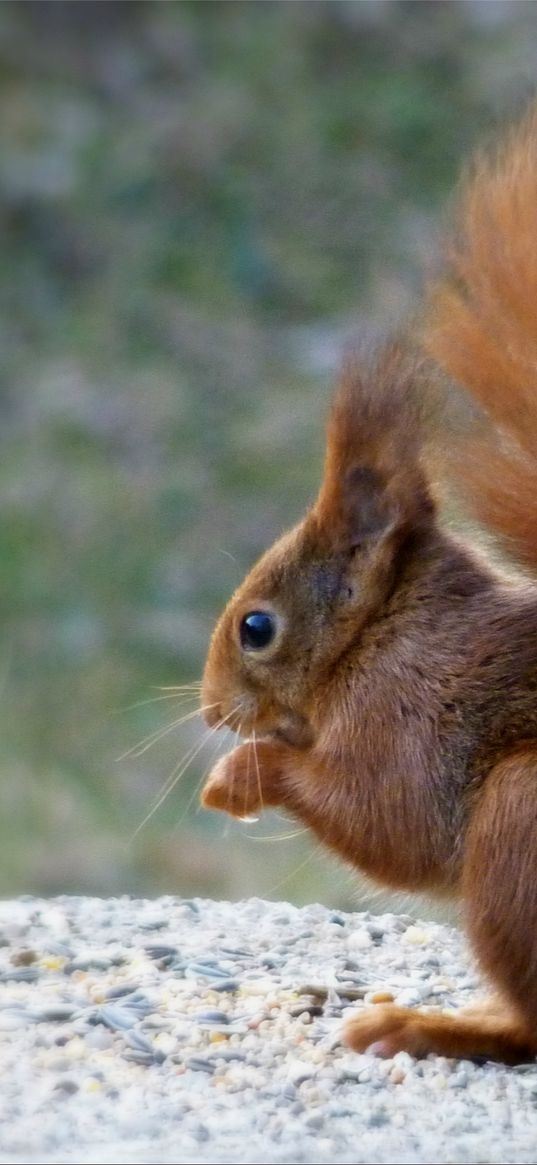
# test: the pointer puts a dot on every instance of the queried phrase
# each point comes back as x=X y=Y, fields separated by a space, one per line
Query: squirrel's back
x=482 y=330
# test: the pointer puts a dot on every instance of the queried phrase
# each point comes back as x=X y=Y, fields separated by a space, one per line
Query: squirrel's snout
x=212 y=714
x=225 y=714
x=236 y=712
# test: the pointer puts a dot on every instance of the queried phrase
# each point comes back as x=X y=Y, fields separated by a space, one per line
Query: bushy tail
x=482 y=330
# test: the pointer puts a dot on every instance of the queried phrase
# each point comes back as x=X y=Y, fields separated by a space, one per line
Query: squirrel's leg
x=500 y=892
x=249 y=779
x=485 y=1032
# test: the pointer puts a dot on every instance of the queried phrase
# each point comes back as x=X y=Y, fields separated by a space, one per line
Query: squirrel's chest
x=391 y=800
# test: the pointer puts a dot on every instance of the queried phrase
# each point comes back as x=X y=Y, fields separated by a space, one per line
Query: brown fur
x=395 y=711
x=482 y=329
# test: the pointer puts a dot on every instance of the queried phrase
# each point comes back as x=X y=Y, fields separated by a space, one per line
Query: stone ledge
x=186 y=1030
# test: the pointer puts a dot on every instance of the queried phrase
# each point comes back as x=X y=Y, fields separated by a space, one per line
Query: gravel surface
x=193 y=1031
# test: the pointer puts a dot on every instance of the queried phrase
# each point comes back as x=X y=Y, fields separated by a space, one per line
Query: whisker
x=238 y=736
x=260 y=790
x=276 y=836
x=250 y=817
x=154 y=700
x=138 y=749
x=196 y=687
x=195 y=791
x=188 y=806
x=165 y=789
x=247 y=787
x=214 y=752
x=228 y=555
x=177 y=773
x=296 y=870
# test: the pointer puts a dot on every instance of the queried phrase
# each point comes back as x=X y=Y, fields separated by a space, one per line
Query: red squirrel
x=383 y=674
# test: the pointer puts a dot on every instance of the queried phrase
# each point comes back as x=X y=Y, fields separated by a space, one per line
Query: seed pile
x=184 y=1030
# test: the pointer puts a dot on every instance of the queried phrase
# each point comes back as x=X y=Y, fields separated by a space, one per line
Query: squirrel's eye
x=257 y=630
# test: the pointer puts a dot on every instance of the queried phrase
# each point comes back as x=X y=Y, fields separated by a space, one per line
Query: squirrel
x=381 y=672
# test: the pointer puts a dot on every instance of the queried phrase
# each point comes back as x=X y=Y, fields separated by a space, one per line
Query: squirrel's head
x=309 y=599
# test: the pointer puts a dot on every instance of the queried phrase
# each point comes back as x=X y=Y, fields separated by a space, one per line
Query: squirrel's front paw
x=245 y=781
x=231 y=785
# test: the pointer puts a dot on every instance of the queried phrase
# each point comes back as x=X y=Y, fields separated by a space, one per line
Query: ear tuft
x=373 y=480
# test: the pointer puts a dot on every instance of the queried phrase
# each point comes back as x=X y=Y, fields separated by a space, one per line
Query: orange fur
x=482 y=330
x=394 y=703
x=488 y=1032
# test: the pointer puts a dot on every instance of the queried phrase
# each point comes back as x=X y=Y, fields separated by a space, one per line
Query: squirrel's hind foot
x=480 y=1033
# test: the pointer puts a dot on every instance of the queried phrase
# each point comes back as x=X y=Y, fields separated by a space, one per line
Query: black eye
x=257 y=630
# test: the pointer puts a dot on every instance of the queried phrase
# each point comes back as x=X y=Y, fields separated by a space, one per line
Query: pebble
x=120 y=991
x=67 y=1087
x=350 y=991
x=200 y=1064
x=90 y=961
x=377 y=1118
x=415 y=935
x=19 y=975
x=427 y=959
x=24 y=957
x=220 y=1017
x=55 y=1012
x=229 y=1054
x=139 y=1035
x=358 y=1074
x=314 y=1120
x=223 y=985
x=259 y=986
x=137 y=1056
x=205 y=970
x=161 y=952
x=115 y=1018
x=410 y=997
x=138 y=1041
x=99 y=1038
x=458 y=1079
x=270 y=961
x=10 y=1021
x=317 y=990
x=160 y=1022
x=359 y=940
x=379 y=997
x=153 y=922
x=299 y=1070
x=167 y=1044
x=306 y=1011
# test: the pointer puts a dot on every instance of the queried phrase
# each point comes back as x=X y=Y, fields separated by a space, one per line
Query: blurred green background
x=199 y=204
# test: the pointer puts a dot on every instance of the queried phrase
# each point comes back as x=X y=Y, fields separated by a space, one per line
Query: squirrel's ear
x=362 y=508
x=373 y=484
x=358 y=508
